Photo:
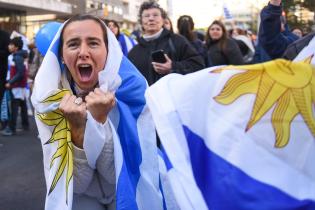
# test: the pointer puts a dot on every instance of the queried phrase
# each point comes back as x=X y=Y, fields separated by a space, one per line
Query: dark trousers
x=15 y=104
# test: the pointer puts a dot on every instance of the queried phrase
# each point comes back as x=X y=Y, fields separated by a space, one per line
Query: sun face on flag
x=62 y=135
x=288 y=86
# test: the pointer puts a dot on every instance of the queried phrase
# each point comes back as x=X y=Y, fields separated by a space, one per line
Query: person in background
x=168 y=24
x=126 y=43
x=245 y=44
x=136 y=33
x=185 y=25
x=221 y=49
x=274 y=35
x=4 y=53
x=180 y=57
x=17 y=84
x=34 y=65
x=31 y=53
x=298 y=32
x=200 y=33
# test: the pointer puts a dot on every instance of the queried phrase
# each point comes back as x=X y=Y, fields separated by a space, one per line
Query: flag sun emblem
x=288 y=86
x=61 y=134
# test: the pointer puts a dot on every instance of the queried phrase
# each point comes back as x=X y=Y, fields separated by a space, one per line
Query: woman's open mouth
x=85 y=71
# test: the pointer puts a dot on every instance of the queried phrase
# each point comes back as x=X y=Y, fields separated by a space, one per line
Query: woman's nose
x=84 y=52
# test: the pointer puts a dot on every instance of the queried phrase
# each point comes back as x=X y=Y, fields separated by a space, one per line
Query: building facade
x=27 y=16
x=14 y=13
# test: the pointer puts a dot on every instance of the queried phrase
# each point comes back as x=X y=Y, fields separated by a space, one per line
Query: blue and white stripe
x=214 y=163
x=126 y=43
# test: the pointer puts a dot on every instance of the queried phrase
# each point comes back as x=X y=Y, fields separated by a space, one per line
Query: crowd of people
x=185 y=52
x=85 y=49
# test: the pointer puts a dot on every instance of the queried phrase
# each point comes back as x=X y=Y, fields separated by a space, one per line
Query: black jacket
x=184 y=57
x=4 y=53
x=295 y=48
x=231 y=54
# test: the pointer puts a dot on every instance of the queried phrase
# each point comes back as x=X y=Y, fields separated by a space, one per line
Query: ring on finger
x=78 y=101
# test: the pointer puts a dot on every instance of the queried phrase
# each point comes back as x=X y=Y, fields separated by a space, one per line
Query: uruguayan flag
x=239 y=137
x=226 y=12
x=135 y=153
x=126 y=43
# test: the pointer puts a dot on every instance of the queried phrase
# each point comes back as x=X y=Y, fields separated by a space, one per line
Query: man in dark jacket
x=274 y=35
x=4 y=52
x=179 y=54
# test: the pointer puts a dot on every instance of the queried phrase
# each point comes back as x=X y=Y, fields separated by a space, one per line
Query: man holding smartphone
x=159 y=51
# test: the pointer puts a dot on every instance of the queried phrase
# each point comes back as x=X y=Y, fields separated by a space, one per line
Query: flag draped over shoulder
x=239 y=137
x=135 y=154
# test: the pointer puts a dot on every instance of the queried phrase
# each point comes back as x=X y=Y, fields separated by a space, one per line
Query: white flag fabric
x=239 y=137
x=135 y=153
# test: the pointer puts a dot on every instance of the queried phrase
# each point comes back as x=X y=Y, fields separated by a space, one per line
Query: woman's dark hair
x=115 y=24
x=185 y=25
x=222 y=41
x=171 y=24
x=82 y=18
x=150 y=5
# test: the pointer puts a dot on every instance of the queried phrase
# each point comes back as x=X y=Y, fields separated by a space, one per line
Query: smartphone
x=158 y=56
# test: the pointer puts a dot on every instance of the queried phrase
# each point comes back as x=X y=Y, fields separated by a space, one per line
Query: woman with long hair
x=221 y=50
x=185 y=25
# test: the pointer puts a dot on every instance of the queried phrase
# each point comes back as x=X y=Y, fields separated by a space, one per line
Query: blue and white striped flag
x=239 y=137
x=226 y=13
x=126 y=43
x=135 y=152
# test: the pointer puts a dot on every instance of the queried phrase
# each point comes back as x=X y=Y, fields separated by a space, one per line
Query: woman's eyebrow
x=72 y=40
x=94 y=39
x=76 y=39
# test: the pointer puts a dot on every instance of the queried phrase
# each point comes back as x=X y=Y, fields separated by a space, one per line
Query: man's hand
x=163 y=68
x=7 y=85
x=76 y=116
x=99 y=104
x=275 y=2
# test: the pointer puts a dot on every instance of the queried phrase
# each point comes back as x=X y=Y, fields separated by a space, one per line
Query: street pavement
x=22 y=182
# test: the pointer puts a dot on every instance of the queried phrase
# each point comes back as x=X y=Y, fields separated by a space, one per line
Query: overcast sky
x=202 y=11
x=205 y=11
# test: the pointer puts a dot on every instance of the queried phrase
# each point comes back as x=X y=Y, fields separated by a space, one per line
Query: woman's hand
x=163 y=68
x=76 y=115
x=99 y=104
